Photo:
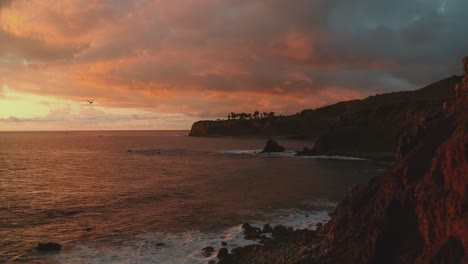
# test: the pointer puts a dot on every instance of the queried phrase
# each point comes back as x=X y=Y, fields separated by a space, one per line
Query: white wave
x=246 y=151
x=184 y=248
x=332 y=157
x=287 y=153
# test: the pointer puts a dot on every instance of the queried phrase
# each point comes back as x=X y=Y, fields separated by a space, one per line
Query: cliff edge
x=415 y=213
x=368 y=128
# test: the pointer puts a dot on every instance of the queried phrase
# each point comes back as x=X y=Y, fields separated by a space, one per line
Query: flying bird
x=90 y=102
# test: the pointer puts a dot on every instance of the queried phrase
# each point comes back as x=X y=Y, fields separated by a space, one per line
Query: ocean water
x=115 y=196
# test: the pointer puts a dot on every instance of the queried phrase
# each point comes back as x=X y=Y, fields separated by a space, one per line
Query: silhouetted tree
x=255 y=114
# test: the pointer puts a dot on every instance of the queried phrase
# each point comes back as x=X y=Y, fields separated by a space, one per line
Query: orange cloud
x=209 y=57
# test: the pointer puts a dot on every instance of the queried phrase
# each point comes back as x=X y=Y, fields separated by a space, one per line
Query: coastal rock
x=416 y=212
x=207 y=251
x=49 y=246
x=267 y=228
x=279 y=230
x=272 y=146
x=368 y=128
x=251 y=232
x=222 y=253
x=223 y=244
x=305 y=152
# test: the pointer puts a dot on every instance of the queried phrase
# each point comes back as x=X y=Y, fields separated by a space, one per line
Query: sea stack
x=272 y=146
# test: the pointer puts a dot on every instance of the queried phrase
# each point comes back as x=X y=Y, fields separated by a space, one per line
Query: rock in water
x=267 y=228
x=49 y=246
x=207 y=251
x=306 y=152
x=251 y=232
x=222 y=253
x=272 y=146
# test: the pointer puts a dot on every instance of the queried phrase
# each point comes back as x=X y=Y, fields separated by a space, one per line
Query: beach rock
x=211 y=262
x=251 y=232
x=160 y=244
x=267 y=228
x=49 y=246
x=305 y=152
x=272 y=146
x=224 y=244
x=279 y=230
x=207 y=251
x=222 y=253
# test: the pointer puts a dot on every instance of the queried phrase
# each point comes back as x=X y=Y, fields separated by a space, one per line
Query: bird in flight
x=90 y=102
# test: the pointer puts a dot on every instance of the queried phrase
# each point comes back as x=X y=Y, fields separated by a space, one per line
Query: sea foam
x=186 y=247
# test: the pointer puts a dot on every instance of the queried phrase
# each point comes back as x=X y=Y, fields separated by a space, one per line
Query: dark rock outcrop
x=305 y=152
x=49 y=246
x=417 y=212
x=207 y=251
x=251 y=232
x=222 y=253
x=272 y=146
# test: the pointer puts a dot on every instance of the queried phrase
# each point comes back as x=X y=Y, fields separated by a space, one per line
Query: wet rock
x=251 y=232
x=160 y=244
x=305 y=152
x=222 y=253
x=279 y=230
x=49 y=246
x=272 y=146
x=207 y=251
x=319 y=226
x=224 y=244
x=267 y=228
x=211 y=262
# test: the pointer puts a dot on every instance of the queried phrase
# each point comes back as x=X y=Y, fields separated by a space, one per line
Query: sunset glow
x=165 y=64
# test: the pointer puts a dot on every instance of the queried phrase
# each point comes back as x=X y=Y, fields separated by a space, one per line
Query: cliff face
x=356 y=128
x=377 y=126
x=304 y=125
x=417 y=212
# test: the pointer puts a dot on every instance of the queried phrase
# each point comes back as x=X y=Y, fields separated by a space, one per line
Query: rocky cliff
x=369 y=127
x=417 y=212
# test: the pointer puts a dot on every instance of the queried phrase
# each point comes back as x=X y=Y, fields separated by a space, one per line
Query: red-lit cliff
x=417 y=212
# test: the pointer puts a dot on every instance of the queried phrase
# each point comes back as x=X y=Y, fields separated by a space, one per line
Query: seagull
x=90 y=102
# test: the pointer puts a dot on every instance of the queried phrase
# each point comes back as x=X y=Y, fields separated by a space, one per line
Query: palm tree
x=255 y=114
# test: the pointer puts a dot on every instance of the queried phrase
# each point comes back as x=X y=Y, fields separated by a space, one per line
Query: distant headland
x=368 y=128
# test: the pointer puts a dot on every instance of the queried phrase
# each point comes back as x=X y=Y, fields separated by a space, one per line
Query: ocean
x=156 y=196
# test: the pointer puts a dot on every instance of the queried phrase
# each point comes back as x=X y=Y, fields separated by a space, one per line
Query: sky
x=164 y=64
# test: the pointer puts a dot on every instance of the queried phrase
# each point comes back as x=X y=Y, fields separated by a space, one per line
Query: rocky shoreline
x=417 y=212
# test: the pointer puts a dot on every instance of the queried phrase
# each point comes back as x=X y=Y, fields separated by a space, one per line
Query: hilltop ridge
x=368 y=127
